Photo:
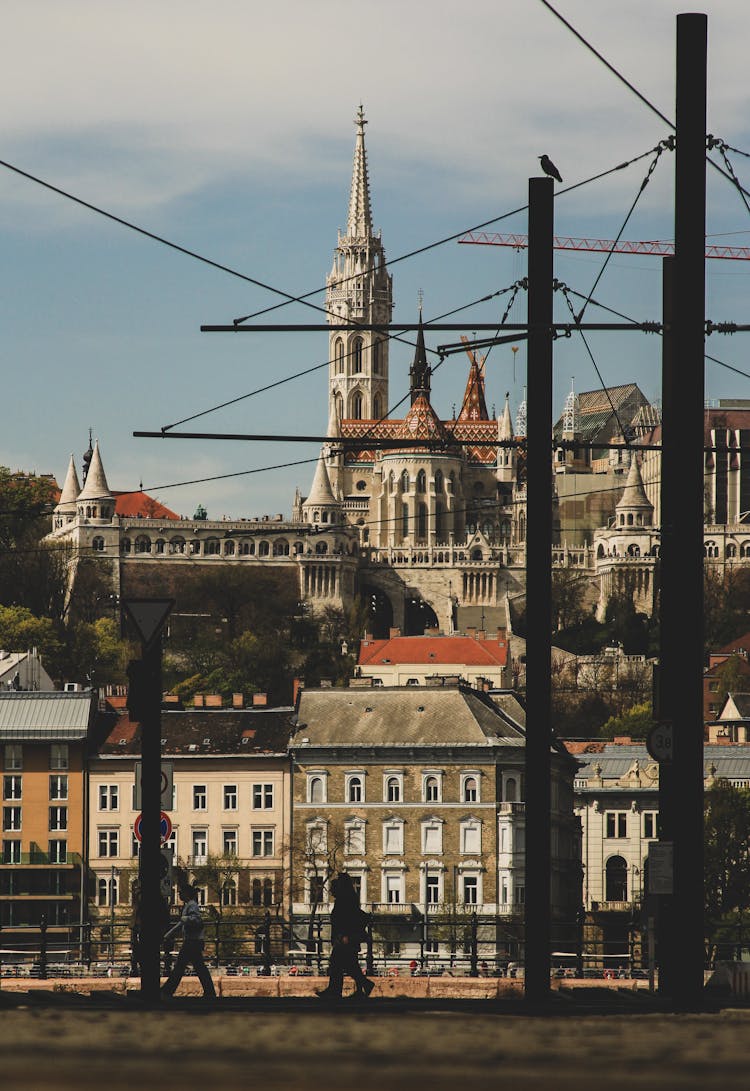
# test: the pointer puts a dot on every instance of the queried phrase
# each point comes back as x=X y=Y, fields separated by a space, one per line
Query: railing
x=512 y=808
x=42 y=859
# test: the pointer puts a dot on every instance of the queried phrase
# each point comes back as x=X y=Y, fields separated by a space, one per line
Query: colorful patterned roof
x=474 y=407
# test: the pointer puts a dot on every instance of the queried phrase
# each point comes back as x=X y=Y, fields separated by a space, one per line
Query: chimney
x=393 y=632
x=238 y=700
x=471 y=631
x=501 y=635
x=198 y=700
x=260 y=700
x=298 y=684
x=482 y=634
x=214 y=700
x=434 y=631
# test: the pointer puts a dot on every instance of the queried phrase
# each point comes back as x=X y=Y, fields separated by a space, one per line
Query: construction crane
x=473 y=356
x=561 y=242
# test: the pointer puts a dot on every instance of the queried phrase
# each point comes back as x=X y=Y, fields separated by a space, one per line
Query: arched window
x=357 y=355
x=229 y=548
x=404 y=520
x=438 y=480
x=616 y=879
x=421 y=481
x=377 y=357
x=321 y=547
x=264 y=549
x=247 y=549
x=511 y=790
x=432 y=790
x=476 y=554
x=634 y=550
x=338 y=355
x=160 y=546
x=422 y=522
x=268 y=892
x=143 y=544
x=377 y=407
x=393 y=790
x=177 y=545
x=405 y=481
x=281 y=548
x=470 y=790
x=299 y=549
x=212 y=547
x=126 y=545
x=229 y=892
x=316 y=790
x=97 y=544
x=354 y=790
x=522 y=528
x=630 y=518
x=600 y=551
x=355 y=411
x=257 y=892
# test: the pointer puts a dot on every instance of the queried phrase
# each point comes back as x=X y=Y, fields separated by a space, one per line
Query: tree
x=568 y=591
x=316 y=854
x=636 y=722
x=727 y=860
x=733 y=677
x=32 y=573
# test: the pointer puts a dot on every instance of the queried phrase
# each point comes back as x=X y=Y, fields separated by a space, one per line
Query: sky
x=228 y=129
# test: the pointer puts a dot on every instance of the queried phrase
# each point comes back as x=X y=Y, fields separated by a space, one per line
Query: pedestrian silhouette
x=348 y=924
x=191 y=952
x=549 y=167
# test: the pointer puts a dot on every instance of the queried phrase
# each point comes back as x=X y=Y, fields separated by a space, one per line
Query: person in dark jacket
x=348 y=924
x=191 y=926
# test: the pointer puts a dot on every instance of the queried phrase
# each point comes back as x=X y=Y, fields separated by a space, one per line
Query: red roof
x=133 y=504
x=435 y=651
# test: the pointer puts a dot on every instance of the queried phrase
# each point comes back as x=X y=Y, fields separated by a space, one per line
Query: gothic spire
x=474 y=406
x=359 y=223
x=505 y=423
x=420 y=370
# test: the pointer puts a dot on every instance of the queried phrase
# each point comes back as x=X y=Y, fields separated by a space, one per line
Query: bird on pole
x=549 y=167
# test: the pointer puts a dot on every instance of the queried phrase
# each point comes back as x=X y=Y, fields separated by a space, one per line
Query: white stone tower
x=359 y=289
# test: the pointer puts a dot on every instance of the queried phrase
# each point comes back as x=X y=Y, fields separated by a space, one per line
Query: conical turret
x=634 y=508
x=321 y=506
x=70 y=490
x=506 y=455
x=95 y=501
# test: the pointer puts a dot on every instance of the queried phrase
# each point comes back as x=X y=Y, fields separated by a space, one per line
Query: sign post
x=147 y=617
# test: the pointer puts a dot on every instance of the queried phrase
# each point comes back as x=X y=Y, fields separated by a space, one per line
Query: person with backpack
x=191 y=952
x=348 y=931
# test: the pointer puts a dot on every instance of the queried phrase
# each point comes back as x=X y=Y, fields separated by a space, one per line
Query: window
x=229 y=842
x=13 y=756
x=616 y=887
x=393 y=790
x=357 y=354
x=262 y=842
x=262 y=797
x=11 y=852
x=393 y=837
x=393 y=885
x=338 y=353
x=58 y=758
x=108 y=842
x=520 y=895
x=109 y=797
x=229 y=893
x=11 y=818
x=471 y=837
x=230 y=797
x=511 y=790
x=200 y=797
x=392 y=947
x=432 y=888
x=317 y=838
x=354 y=790
x=354 y=844
x=432 y=947
x=316 y=792
x=317 y=889
x=431 y=789
x=470 y=889
x=58 y=851
x=11 y=787
x=470 y=789
x=356 y=406
x=106 y=891
x=200 y=845
x=616 y=824
x=432 y=837
x=58 y=818
x=650 y=823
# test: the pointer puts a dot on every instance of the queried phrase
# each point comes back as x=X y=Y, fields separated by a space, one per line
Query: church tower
x=359 y=289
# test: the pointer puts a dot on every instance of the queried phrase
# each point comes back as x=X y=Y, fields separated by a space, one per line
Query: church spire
x=359 y=222
x=420 y=370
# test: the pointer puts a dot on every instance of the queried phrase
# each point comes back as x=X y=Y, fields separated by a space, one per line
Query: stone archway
x=418 y=616
x=379 y=612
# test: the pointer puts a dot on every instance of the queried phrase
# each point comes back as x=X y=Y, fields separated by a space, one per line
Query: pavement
x=54 y=1040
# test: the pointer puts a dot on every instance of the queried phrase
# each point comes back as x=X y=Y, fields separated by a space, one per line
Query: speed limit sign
x=660 y=741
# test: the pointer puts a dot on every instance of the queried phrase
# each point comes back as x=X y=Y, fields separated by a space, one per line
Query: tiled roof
x=443 y=716
x=34 y=715
x=134 y=504
x=730 y=761
x=208 y=731
x=435 y=651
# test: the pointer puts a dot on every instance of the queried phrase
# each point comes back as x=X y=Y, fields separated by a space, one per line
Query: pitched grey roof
x=732 y=762
x=38 y=716
x=208 y=732
x=403 y=716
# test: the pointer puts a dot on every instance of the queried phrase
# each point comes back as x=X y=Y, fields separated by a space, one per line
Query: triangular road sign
x=148 y=616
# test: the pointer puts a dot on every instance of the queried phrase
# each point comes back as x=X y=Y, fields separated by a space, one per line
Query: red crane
x=561 y=242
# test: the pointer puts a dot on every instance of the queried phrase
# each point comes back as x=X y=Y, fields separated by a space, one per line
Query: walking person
x=347 y=933
x=191 y=952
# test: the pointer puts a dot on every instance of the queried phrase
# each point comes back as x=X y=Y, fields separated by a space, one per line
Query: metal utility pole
x=682 y=522
x=539 y=590
x=144 y=705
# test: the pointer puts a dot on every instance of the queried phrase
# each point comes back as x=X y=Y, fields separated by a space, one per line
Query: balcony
x=512 y=808
x=42 y=859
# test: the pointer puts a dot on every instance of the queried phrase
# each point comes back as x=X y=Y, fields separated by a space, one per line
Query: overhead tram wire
x=631 y=87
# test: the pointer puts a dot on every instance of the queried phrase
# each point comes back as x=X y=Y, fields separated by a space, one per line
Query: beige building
x=230 y=808
x=478 y=658
x=418 y=795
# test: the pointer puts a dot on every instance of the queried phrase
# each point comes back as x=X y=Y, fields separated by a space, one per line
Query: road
x=58 y=1047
